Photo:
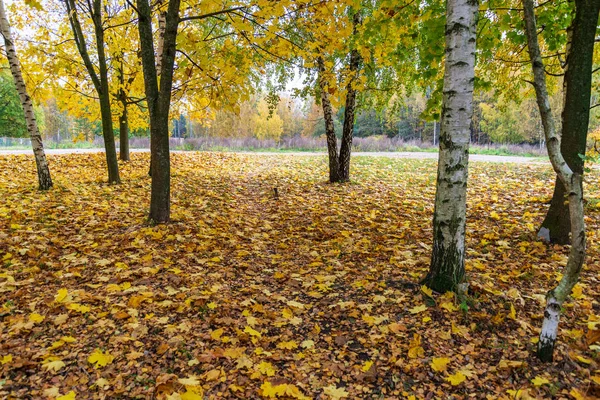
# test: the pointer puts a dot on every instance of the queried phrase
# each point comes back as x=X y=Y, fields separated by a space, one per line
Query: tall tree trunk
x=575 y=115
x=43 y=171
x=329 y=125
x=447 y=268
x=570 y=178
x=124 y=119
x=349 y=111
x=159 y=102
x=100 y=82
x=124 y=133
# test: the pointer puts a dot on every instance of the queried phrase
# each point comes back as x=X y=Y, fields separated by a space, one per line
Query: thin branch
x=212 y=14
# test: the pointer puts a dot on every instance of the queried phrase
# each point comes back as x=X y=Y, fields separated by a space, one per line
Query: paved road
x=417 y=155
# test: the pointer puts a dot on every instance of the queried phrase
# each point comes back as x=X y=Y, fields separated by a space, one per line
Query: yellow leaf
x=69 y=396
x=577 y=395
x=212 y=305
x=494 y=215
x=456 y=379
x=439 y=364
x=271 y=391
x=6 y=359
x=539 y=381
x=596 y=379
x=54 y=366
x=308 y=344
x=295 y=304
x=584 y=360
x=287 y=313
x=334 y=392
x=448 y=305
x=212 y=375
x=418 y=309
x=513 y=313
x=33 y=317
x=577 y=291
x=216 y=334
x=367 y=366
x=61 y=296
x=189 y=381
x=252 y=332
x=193 y=393
x=100 y=359
x=266 y=368
x=427 y=291
x=78 y=307
x=291 y=345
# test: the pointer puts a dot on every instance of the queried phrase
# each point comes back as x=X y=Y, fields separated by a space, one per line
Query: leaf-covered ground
x=309 y=294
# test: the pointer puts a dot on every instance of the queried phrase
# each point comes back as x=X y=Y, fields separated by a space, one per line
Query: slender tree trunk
x=43 y=171
x=570 y=178
x=124 y=119
x=575 y=115
x=124 y=133
x=159 y=102
x=100 y=82
x=329 y=125
x=349 y=111
x=447 y=268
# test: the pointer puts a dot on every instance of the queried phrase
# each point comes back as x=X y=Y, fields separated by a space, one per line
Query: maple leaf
x=366 y=366
x=53 y=365
x=439 y=364
x=456 y=379
x=266 y=368
x=539 y=381
x=61 y=296
x=291 y=345
x=216 y=334
x=251 y=331
x=100 y=359
x=334 y=392
x=6 y=359
x=69 y=396
x=189 y=381
x=418 y=309
x=33 y=317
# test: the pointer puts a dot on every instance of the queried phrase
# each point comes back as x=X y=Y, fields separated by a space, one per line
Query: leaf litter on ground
x=313 y=294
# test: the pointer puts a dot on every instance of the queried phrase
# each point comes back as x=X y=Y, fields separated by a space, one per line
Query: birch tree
x=43 y=171
x=571 y=179
x=447 y=268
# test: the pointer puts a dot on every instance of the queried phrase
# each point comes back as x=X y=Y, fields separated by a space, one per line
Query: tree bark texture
x=447 y=268
x=159 y=102
x=349 y=111
x=329 y=125
x=43 y=170
x=571 y=179
x=575 y=114
x=339 y=163
x=100 y=79
x=124 y=119
x=124 y=133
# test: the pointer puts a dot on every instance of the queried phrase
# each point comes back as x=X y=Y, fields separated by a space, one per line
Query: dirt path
x=417 y=155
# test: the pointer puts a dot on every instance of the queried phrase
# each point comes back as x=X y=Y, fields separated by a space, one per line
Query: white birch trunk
x=574 y=189
x=43 y=171
x=447 y=268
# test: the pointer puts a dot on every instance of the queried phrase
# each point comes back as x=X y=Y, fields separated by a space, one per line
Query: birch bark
x=571 y=179
x=447 y=268
x=43 y=171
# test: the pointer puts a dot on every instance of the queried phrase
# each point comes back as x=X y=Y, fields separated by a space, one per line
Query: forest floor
x=311 y=294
